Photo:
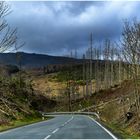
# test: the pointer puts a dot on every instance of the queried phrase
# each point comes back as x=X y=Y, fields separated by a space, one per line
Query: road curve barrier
x=69 y=113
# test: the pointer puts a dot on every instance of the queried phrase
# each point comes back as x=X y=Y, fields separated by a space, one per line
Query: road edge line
x=114 y=137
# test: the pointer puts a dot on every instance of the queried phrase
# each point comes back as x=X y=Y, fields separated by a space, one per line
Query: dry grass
x=48 y=85
x=52 y=88
x=112 y=110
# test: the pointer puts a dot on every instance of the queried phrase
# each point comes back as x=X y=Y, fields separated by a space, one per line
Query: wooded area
x=122 y=62
x=110 y=64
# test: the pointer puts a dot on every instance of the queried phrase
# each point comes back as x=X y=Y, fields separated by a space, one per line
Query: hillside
x=115 y=109
x=19 y=103
x=116 y=105
x=32 y=60
x=48 y=92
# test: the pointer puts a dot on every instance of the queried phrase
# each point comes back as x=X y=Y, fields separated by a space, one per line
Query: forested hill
x=31 y=60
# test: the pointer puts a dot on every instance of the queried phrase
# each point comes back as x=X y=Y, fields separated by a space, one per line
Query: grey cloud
x=58 y=27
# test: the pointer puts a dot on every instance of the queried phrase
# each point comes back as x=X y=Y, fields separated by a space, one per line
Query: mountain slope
x=29 y=60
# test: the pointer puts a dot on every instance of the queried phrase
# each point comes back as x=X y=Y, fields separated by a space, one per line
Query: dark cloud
x=58 y=27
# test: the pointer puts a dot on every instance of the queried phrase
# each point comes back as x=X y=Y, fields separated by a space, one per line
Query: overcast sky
x=56 y=28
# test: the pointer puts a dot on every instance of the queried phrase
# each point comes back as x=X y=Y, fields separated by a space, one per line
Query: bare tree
x=112 y=65
x=106 y=58
x=131 y=49
x=83 y=75
x=91 y=41
x=8 y=36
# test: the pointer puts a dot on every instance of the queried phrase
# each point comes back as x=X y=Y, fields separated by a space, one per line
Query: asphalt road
x=61 y=127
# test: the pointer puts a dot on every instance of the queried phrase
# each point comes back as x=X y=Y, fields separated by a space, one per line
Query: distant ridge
x=32 y=60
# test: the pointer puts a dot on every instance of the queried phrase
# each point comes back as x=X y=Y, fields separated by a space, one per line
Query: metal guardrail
x=70 y=113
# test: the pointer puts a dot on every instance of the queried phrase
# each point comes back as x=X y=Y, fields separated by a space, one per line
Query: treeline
x=104 y=67
x=121 y=62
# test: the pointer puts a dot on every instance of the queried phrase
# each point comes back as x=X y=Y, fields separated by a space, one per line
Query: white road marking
x=62 y=125
x=67 y=121
x=71 y=118
x=47 y=137
x=59 y=128
x=55 y=130
x=114 y=137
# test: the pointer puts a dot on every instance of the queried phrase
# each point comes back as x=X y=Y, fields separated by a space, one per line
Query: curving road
x=61 y=127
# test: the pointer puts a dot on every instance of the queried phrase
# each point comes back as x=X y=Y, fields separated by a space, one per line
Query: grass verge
x=119 y=132
x=22 y=122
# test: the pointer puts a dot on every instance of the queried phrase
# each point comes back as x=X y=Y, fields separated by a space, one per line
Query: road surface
x=61 y=127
